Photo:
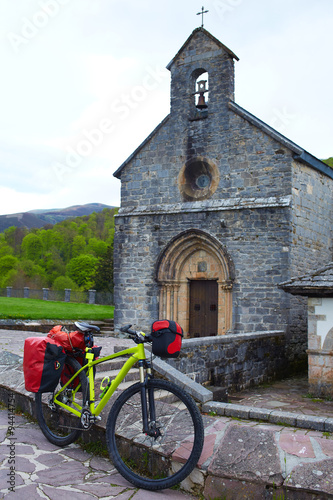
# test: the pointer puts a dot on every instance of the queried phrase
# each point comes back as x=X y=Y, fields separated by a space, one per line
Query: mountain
x=39 y=218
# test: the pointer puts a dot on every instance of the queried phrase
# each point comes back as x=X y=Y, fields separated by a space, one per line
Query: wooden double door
x=203 y=308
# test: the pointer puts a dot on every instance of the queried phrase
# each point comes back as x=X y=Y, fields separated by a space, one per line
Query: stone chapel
x=217 y=209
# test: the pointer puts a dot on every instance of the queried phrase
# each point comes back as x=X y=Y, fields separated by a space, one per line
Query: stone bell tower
x=201 y=58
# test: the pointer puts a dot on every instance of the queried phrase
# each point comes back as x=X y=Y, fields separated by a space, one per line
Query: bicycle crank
x=87 y=419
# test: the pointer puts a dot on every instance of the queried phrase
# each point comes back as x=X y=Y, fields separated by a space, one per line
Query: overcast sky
x=83 y=82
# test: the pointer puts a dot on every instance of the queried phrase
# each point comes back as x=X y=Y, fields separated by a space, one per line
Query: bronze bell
x=201 y=90
x=201 y=102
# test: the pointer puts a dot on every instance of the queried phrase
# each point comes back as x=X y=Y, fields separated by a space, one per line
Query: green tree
x=104 y=272
x=97 y=247
x=8 y=265
x=82 y=270
x=32 y=247
x=79 y=245
x=63 y=282
x=5 y=249
x=14 y=236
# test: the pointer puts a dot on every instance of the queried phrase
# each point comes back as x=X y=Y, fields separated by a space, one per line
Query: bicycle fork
x=149 y=424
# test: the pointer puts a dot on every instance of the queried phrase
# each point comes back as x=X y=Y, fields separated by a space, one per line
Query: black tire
x=148 y=462
x=59 y=426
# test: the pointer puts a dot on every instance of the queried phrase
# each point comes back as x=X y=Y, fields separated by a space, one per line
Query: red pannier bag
x=71 y=341
x=68 y=371
x=75 y=344
x=166 y=338
x=43 y=362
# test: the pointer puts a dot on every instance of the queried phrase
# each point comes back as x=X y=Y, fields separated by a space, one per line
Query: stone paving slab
x=289 y=395
x=33 y=468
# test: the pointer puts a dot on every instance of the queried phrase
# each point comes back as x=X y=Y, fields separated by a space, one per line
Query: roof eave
x=117 y=173
x=299 y=153
x=308 y=291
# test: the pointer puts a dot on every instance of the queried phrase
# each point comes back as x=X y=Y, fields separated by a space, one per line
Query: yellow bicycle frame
x=136 y=353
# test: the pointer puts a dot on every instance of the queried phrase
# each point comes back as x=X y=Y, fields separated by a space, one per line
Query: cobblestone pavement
x=32 y=468
x=290 y=395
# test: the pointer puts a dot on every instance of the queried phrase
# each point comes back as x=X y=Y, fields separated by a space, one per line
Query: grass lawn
x=13 y=308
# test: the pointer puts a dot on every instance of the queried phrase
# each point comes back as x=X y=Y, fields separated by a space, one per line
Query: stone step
x=113 y=364
x=106 y=332
x=131 y=375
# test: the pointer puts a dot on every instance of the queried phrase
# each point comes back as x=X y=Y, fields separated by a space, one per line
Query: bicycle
x=154 y=430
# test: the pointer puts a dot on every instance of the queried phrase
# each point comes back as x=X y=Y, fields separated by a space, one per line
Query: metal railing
x=67 y=295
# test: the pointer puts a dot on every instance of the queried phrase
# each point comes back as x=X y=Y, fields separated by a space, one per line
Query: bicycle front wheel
x=58 y=425
x=171 y=451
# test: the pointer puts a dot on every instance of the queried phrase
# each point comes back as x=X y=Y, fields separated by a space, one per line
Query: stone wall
x=254 y=238
x=310 y=245
x=234 y=362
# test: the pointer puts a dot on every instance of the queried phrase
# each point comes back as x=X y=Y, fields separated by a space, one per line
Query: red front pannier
x=167 y=338
x=43 y=362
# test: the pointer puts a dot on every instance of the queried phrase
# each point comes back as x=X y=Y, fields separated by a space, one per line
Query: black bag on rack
x=166 y=338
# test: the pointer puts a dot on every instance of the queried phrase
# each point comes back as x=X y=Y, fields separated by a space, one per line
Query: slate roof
x=316 y=284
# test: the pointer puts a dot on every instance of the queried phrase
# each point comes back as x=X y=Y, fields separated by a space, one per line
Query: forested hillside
x=38 y=218
x=75 y=253
x=329 y=161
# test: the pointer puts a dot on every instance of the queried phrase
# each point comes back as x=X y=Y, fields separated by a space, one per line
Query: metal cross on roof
x=202 y=14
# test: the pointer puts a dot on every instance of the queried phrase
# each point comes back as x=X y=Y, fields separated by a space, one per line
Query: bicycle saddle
x=85 y=327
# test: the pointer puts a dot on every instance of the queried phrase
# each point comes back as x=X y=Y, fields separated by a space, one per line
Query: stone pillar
x=92 y=296
x=9 y=291
x=45 y=294
x=67 y=294
x=320 y=346
x=224 y=307
x=26 y=292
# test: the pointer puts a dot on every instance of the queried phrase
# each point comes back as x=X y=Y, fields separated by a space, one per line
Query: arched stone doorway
x=195 y=275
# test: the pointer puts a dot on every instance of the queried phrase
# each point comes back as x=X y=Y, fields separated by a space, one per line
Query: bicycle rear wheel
x=58 y=425
x=171 y=453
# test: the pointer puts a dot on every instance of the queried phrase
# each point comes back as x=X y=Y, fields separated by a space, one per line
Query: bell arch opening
x=191 y=262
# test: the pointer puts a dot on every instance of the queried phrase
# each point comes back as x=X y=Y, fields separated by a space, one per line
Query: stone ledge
x=316 y=423
x=232 y=337
x=196 y=390
x=208 y=206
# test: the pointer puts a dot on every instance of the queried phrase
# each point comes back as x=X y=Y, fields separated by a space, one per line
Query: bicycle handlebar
x=138 y=337
x=127 y=329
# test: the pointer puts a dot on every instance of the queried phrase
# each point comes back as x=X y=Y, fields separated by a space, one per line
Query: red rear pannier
x=75 y=344
x=71 y=341
x=68 y=371
x=167 y=338
x=43 y=362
